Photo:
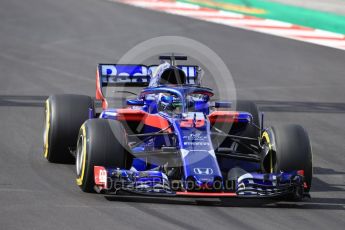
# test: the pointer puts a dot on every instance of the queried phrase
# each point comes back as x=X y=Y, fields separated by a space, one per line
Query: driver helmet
x=170 y=103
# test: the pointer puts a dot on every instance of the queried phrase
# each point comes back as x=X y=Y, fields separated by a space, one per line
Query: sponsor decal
x=191 y=143
x=196 y=137
x=100 y=176
x=203 y=171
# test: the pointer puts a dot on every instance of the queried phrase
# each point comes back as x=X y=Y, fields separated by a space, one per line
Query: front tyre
x=291 y=149
x=100 y=143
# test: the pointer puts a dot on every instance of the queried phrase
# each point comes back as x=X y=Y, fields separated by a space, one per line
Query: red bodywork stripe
x=223 y=116
x=204 y=194
x=130 y=115
x=99 y=94
x=300 y=172
x=141 y=116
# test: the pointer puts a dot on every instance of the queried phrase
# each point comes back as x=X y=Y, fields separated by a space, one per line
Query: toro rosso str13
x=173 y=140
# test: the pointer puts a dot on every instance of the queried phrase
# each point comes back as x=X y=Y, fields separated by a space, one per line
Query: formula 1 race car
x=172 y=139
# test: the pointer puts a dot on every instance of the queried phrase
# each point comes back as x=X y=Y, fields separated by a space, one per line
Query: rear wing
x=123 y=75
x=134 y=75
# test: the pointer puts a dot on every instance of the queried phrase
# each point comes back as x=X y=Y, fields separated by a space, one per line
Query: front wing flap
x=156 y=183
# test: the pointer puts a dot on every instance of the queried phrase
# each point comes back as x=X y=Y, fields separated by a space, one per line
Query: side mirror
x=222 y=104
x=135 y=102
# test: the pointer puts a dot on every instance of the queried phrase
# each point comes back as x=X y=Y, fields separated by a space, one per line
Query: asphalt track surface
x=49 y=46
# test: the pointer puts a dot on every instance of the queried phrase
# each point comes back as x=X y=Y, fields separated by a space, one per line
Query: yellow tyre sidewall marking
x=267 y=138
x=80 y=179
x=46 y=131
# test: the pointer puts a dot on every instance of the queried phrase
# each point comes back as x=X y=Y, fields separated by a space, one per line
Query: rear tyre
x=250 y=130
x=292 y=150
x=100 y=143
x=64 y=114
x=250 y=107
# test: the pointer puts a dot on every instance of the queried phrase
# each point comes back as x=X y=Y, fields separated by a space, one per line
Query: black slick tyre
x=64 y=114
x=100 y=143
x=292 y=150
x=250 y=107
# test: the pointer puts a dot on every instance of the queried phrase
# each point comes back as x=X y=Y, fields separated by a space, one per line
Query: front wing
x=156 y=183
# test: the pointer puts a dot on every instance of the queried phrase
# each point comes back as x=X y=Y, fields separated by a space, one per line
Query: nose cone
x=204 y=184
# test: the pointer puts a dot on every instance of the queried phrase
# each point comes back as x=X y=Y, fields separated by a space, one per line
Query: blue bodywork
x=191 y=128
